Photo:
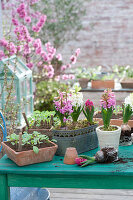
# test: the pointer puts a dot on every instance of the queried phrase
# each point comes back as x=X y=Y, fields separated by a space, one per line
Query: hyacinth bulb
x=125 y=138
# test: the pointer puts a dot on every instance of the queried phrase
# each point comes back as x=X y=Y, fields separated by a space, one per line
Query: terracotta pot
x=29 y=157
x=127 y=83
x=100 y=84
x=83 y=82
x=70 y=156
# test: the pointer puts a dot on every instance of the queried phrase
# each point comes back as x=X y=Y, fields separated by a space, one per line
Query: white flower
x=76 y=99
x=129 y=100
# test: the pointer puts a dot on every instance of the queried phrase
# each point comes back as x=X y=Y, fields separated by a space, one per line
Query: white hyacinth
x=129 y=100
x=76 y=99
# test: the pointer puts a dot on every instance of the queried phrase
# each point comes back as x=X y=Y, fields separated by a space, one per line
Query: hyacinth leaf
x=127 y=113
x=87 y=157
x=89 y=114
x=88 y=162
x=75 y=114
x=106 y=115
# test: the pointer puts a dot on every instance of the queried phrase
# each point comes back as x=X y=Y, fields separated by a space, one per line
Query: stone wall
x=107 y=34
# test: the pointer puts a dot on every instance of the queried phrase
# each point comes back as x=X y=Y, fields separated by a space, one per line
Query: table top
x=123 y=167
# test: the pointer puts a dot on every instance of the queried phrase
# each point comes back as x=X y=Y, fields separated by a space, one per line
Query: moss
x=75 y=125
x=110 y=128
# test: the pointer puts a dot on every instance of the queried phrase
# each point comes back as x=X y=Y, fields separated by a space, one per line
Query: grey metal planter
x=83 y=140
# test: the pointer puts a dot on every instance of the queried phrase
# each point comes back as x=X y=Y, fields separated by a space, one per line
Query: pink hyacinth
x=89 y=104
x=108 y=99
x=63 y=104
x=79 y=161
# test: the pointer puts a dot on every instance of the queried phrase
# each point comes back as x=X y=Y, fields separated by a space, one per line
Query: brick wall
x=107 y=34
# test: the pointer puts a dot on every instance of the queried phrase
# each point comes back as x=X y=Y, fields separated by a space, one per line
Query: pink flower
x=2 y=55
x=65 y=77
x=51 y=74
x=108 y=99
x=73 y=59
x=59 y=57
x=39 y=64
x=71 y=76
x=30 y=65
x=44 y=56
x=34 y=28
x=77 y=52
x=65 y=119
x=28 y=19
x=15 y=22
x=89 y=104
x=68 y=66
x=3 y=43
x=21 y=10
x=38 y=50
x=63 y=67
x=79 y=161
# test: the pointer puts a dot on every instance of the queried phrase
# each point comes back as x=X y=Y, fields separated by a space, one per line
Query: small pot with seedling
x=108 y=135
x=125 y=138
x=29 y=148
x=41 y=122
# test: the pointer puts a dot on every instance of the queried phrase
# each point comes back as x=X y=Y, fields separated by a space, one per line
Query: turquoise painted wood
x=3 y=127
x=23 y=92
x=56 y=174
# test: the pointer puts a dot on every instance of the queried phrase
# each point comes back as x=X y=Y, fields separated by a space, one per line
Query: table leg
x=4 y=189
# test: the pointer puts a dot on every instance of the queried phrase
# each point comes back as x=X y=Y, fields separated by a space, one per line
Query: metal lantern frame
x=22 y=85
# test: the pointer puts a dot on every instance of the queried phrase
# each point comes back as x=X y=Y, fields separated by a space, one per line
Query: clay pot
x=100 y=84
x=70 y=156
x=29 y=157
x=127 y=83
x=83 y=82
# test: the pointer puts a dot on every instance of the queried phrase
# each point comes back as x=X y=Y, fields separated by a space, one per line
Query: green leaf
x=35 y=149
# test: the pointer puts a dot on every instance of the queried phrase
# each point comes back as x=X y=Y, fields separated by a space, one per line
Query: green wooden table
x=58 y=175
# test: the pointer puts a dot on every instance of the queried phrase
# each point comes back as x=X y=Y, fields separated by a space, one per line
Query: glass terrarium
x=19 y=77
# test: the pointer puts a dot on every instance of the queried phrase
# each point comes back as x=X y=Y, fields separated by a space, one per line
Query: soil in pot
x=27 y=147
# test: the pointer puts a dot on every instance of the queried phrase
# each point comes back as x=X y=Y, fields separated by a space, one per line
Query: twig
x=20 y=142
x=26 y=120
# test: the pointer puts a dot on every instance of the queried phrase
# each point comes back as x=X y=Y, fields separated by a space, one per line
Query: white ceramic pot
x=108 y=138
